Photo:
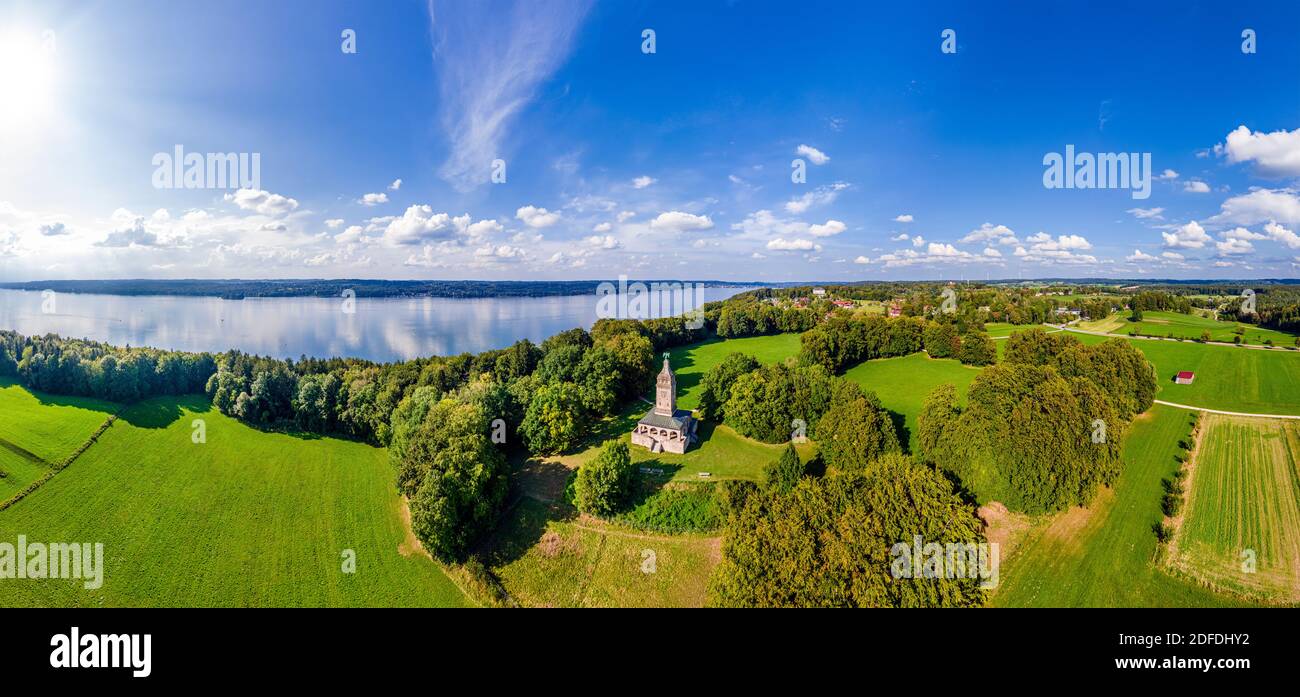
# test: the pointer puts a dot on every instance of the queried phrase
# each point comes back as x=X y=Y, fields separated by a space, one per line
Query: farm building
x=1185 y=377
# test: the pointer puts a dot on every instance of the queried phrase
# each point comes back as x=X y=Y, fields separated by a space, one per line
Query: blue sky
x=675 y=164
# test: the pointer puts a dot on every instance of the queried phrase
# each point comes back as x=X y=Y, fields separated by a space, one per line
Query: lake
x=378 y=329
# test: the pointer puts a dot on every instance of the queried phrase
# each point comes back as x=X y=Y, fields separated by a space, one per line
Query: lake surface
x=378 y=329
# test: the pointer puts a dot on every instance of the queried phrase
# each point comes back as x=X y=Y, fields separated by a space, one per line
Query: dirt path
x=1228 y=413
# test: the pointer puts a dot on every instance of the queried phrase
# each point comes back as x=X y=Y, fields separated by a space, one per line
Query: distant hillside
x=280 y=288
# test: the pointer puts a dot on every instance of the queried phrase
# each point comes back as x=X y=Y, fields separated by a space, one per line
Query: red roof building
x=1185 y=377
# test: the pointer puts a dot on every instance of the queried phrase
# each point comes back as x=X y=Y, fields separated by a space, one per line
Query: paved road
x=1229 y=413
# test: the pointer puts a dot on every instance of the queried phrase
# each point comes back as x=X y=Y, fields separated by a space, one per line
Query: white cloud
x=899 y=237
x=918 y=241
x=1044 y=242
x=373 y=199
x=677 y=221
x=1196 y=187
x=1063 y=249
x=904 y=218
x=333 y=223
x=263 y=202
x=418 y=224
x=1281 y=234
x=830 y=228
x=352 y=234
x=988 y=232
x=602 y=227
x=1275 y=154
x=944 y=250
x=643 y=182
x=535 y=217
x=503 y=251
x=1173 y=256
x=1260 y=206
x=862 y=260
x=131 y=234
x=1139 y=255
x=1241 y=233
x=818 y=197
x=816 y=156
x=624 y=216
x=490 y=60
x=1147 y=213
x=991 y=252
x=603 y=242
x=482 y=228
x=397 y=184
x=1168 y=175
x=783 y=245
x=1189 y=236
x=1234 y=246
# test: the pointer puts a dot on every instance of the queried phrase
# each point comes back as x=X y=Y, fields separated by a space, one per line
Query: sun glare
x=27 y=80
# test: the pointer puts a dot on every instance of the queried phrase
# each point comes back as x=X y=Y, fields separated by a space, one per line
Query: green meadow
x=47 y=426
x=693 y=361
x=903 y=383
x=1252 y=381
x=1157 y=323
x=247 y=518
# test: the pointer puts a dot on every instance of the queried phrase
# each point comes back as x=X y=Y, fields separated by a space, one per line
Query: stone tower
x=666 y=391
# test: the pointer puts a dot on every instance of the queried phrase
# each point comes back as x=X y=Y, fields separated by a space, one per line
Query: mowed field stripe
x=1244 y=509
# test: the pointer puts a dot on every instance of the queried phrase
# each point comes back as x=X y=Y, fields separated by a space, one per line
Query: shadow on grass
x=900 y=426
x=54 y=400
x=160 y=412
x=522 y=528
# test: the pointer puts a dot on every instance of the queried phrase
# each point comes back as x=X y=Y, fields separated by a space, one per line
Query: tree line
x=844 y=341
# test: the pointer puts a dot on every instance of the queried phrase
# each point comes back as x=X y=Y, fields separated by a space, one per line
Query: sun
x=28 y=77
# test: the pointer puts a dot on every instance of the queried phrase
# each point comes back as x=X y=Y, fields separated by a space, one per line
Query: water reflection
x=381 y=329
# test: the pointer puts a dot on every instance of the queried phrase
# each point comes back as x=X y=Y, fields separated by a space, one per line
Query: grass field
x=1244 y=504
x=1192 y=326
x=903 y=383
x=1228 y=378
x=47 y=426
x=1253 y=381
x=547 y=557
x=1104 y=555
x=693 y=361
x=246 y=519
x=18 y=468
x=1105 y=324
x=1001 y=330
